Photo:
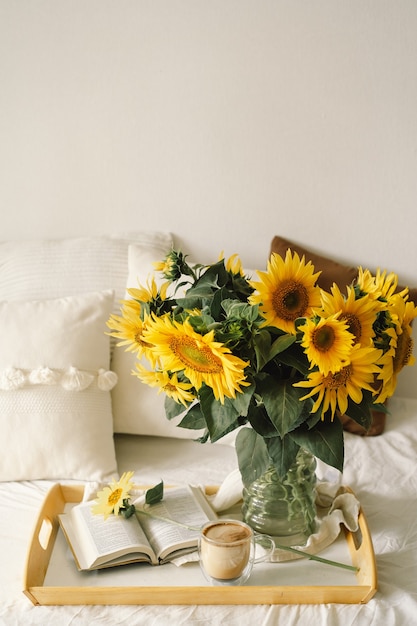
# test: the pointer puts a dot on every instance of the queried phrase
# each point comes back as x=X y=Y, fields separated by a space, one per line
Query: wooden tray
x=111 y=586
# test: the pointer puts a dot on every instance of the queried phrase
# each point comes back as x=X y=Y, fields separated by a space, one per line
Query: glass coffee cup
x=227 y=551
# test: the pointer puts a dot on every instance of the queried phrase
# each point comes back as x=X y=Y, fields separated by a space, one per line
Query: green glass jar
x=284 y=508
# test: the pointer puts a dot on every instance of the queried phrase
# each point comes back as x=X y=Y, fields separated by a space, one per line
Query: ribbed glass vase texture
x=284 y=507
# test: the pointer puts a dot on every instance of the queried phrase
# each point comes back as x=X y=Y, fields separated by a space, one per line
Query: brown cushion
x=331 y=271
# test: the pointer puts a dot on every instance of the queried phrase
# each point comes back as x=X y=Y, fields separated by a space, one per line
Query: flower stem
x=314 y=557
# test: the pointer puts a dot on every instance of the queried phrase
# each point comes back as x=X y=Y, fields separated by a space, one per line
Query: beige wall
x=223 y=121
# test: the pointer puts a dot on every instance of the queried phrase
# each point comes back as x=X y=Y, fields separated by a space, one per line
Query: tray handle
x=363 y=556
x=43 y=540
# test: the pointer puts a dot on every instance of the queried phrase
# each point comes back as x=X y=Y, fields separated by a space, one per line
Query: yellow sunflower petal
x=181 y=392
x=149 y=292
x=128 y=328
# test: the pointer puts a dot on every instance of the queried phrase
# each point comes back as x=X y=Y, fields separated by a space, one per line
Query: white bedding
x=382 y=471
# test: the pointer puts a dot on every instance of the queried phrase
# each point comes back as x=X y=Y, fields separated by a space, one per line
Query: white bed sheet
x=382 y=471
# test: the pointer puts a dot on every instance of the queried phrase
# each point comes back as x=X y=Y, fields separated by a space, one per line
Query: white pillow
x=54 y=268
x=55 y=404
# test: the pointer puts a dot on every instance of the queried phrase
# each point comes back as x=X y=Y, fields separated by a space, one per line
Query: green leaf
x=294 y=357
x=282 y=403
x=220 y=418
x=380 y=407
x=282 y=452
x=242 y=401
x=172 y=408
x=240 y=310
x=193 y=419
x=252 y=455
x=312 y=418
x=155 y=494
x=362 y=413
x=241 y=286
x=217 y=298
x=325 y=441
x=280 y=344
x=200 y=323
x=262 y=347
x=260 y=421
x=214 y=277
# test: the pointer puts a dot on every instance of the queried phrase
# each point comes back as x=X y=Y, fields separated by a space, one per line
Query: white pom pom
x=106 y=379
x=44 y=376
x=76 y=380
x=12 y=378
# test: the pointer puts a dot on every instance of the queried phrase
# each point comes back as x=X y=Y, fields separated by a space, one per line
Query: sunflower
x=174 y=266
x=128 y=326
x=110 y=499
x=286 y=291
x=327 y=342
x=167 y=383
x=334 y=389
x=401 y=345
x=166 y=267
x=128 y=329
x=202 y=359
x=150 y=293
x=381 y=286
x=359 y=314
x=233 y=264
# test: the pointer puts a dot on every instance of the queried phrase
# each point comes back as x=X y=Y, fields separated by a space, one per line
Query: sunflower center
x=290 y=300
x=403 y=352
x=323 y=338
x=354 y=325
x=114 y=497
x=199 y=358
x=339 y=379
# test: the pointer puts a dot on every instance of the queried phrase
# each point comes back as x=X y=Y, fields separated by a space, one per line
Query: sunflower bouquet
x=277 y=356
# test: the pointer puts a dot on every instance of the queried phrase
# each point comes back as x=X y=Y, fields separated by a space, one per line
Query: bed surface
x=382 y=471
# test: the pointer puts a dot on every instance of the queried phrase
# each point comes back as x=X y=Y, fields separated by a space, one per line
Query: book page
x=97 y=541
x=186 y=505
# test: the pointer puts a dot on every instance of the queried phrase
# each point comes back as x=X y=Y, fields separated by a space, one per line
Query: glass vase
x=284 y=508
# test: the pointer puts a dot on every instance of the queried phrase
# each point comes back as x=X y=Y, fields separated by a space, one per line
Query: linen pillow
x=54 y=268
x=137 y=408
x=331 y=271
x=55 y=403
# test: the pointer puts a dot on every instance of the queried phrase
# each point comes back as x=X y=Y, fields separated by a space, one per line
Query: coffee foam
x=227 y=532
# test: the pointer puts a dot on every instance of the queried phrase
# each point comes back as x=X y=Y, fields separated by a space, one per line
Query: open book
x=97 y=543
